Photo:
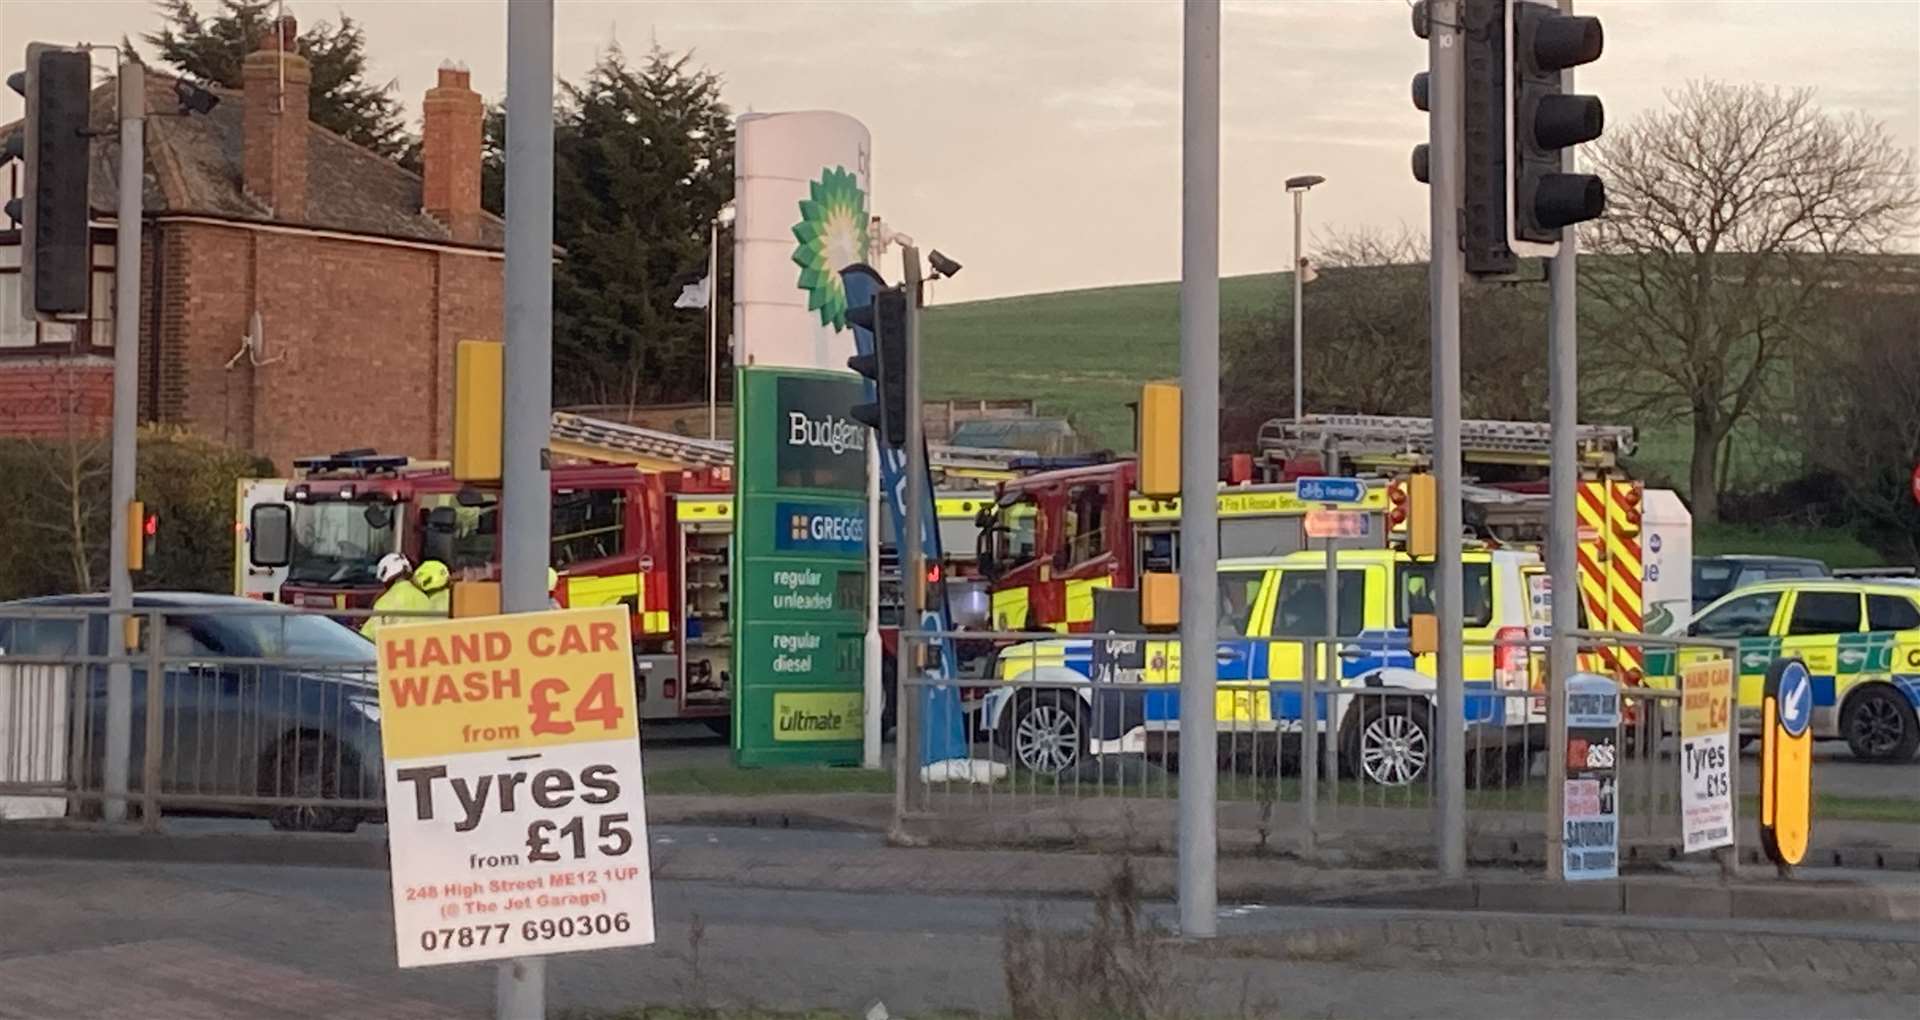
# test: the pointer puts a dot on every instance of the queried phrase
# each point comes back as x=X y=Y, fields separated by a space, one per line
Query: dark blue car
x=259 y=701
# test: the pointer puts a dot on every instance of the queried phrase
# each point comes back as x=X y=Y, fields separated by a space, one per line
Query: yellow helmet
x=553 y=579
x=430 y=576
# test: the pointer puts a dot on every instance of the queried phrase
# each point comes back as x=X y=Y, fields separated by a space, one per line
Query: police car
x=1859 y=639
x=1062 y=706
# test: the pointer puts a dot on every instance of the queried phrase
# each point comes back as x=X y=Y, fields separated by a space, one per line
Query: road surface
x=165 y=941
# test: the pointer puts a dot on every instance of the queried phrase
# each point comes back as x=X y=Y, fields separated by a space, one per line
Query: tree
x=1365 y=329
x=643 y=161
x=340 y=100
x=1730 y=213
x=1863 y=425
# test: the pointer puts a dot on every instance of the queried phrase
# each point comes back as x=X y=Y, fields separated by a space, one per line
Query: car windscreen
x=339 y=542
x=1712 y=580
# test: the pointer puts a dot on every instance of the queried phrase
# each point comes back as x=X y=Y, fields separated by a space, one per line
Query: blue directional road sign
x=1796 y=699
x=1330 y=490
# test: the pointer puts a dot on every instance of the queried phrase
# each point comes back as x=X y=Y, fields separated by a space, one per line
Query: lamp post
x=1298 y=188
x=723 y=218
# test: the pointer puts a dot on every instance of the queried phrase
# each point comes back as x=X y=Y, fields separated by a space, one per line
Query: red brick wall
x=360 y=336
x=55 y=397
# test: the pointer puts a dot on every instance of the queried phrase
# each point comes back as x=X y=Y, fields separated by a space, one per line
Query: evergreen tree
x=213 y=48
x=643 y=160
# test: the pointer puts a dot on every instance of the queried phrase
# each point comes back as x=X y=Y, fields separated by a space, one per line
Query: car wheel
x=1390 y=744
x=1048 y=732
x=1880 y=726
x=308 y=768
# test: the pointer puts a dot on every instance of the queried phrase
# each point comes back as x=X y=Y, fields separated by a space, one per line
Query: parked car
x=1715 y=576
x=259 y=700
x=1859 y=639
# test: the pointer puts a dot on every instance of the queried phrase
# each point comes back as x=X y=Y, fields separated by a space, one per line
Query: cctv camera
x=942 y=265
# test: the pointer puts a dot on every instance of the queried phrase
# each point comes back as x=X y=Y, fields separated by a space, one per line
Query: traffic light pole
x=909 y=700
x=520 y=986
x=1199 y=461
x=126 y=398
x=1446 y=70
x=1563 y=379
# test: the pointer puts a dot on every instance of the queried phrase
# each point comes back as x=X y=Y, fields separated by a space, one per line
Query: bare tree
x=1365 y=328
x=1730 y=213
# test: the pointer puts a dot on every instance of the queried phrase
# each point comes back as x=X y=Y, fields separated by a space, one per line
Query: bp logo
x=833 y=235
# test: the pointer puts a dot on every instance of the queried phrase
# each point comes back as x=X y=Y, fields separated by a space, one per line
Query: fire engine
x=640 y=518
x=1052 y=539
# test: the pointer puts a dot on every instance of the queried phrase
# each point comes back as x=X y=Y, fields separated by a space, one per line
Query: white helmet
x=391 y=565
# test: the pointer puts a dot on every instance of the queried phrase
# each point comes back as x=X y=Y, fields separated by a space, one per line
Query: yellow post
x=136 y=536
x=1423 y=514
x=1159 y=440
x=476 y=598
x=476 y=410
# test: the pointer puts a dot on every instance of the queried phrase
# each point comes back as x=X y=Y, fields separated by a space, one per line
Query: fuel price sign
x=514 y=802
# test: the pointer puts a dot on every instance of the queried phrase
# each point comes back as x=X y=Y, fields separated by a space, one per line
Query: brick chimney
x=450 y=153
x=275 y=78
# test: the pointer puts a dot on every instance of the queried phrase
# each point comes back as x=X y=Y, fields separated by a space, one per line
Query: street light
x=1298 y=188
x=722 y=218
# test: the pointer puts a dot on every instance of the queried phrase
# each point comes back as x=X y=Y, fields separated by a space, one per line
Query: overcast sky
x=1038 y=143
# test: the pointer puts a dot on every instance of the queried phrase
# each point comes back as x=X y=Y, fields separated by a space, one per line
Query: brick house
x=359 y=274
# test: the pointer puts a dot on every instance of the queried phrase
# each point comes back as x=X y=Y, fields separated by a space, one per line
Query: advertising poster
x=514 y=802
x=1592 y=819
x=1706 y=755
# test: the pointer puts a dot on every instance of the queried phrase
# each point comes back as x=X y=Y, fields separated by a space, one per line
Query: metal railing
x=1074 y=738
x=264 y=712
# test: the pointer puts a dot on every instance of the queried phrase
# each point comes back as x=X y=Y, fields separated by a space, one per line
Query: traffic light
x=143 y=532
x=886 y=368
x=1422 y=153
x=1484 y=146
x=1542 y=42
x=55 y=252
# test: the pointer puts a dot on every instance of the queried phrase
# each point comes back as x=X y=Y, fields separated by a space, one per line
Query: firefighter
x=402 y=595
x=553 y=590
x=433 y=579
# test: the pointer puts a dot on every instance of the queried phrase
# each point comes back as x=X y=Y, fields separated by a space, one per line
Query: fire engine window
x=1891 y=612
x=1747 y=616
x=1300 y=608
x=335 y=542
x=588 y=525
x=1476 y=583
x=1085 y=519
x=462 y=537
x=1825 y=612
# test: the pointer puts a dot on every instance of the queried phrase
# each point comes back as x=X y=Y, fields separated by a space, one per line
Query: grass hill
x=1080 y=353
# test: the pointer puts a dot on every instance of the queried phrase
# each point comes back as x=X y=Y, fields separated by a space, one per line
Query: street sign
x=515 y=814
x=1330 y=490
x=1336 y=524
x=1591 y=837
x=1786 y=762
x=1706 y=755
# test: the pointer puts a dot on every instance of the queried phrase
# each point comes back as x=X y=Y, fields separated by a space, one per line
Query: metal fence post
x=155 y=717
x=1309 y=747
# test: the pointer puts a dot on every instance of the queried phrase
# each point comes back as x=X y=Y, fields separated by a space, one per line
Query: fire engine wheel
x=1880 y=725
x=1048 y=732
x=720 y=725
x=1390 y=744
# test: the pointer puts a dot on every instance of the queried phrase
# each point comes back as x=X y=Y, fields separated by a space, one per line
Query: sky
x=1039 y=142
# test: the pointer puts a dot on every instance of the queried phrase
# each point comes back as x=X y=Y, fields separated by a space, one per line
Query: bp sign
x=800 y=567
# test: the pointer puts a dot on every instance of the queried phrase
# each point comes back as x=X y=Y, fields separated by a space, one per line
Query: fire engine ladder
x=576 y=435
x=1376 y=437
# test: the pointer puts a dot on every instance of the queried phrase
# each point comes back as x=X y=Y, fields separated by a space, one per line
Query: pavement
x=1835 y=770
x=172 y=941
